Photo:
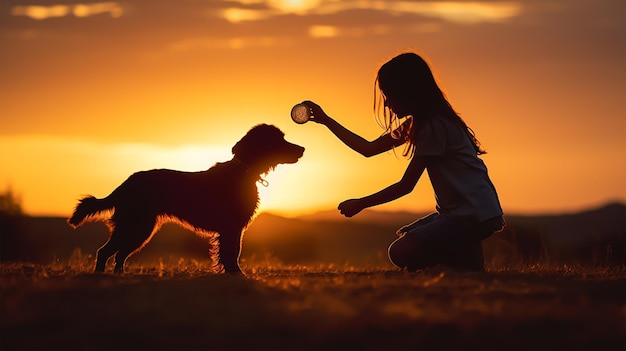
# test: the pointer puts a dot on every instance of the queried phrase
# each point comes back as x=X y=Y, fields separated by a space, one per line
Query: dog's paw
x=236 y=274
x=233 y=270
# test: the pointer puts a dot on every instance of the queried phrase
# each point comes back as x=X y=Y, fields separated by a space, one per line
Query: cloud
x=320 y=25
x=236 y=15
x=452 y=11
x=461 y=12
x=208 y=43
x=39 y=12
x=86 y=10
x=323 y=31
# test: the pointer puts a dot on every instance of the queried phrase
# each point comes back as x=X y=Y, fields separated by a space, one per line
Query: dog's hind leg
x=132 y=237
x=107 y=250
x=120 y=259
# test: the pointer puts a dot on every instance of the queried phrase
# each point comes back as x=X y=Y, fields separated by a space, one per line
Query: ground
x=183 y=306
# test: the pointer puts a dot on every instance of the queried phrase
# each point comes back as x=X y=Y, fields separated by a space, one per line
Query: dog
x=218 y=203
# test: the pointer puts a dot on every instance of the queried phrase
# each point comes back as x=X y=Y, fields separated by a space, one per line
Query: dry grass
x=178 y=304
x=79 y=263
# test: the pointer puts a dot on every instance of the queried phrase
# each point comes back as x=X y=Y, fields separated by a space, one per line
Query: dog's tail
x=88 y=207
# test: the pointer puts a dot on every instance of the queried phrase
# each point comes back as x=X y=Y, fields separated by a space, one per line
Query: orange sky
x=93 y=91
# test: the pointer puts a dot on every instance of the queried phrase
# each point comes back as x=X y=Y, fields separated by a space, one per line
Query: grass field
x=180 y=306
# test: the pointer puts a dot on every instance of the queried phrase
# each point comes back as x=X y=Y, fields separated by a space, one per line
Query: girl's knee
x=407 y=252
x=398 y=253
x=418 y=223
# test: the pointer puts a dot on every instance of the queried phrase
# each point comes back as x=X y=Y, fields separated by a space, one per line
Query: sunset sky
x=91 y=92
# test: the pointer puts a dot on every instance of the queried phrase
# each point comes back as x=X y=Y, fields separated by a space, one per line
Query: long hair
x=407 y=78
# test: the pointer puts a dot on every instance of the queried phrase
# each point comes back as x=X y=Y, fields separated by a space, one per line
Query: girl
x=415 y=112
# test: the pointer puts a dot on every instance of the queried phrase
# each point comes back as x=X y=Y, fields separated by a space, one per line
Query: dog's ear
x=257 y=135
x=236 y=148
x=240 y=146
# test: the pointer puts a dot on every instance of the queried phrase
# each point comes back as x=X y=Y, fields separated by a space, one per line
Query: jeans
x=443 y=239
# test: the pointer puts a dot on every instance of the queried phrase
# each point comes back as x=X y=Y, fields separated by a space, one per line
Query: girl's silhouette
x=415 y=113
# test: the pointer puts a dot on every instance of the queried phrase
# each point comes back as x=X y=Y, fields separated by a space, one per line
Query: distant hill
x=594 y=236
x=591 y=236
x=399 y=217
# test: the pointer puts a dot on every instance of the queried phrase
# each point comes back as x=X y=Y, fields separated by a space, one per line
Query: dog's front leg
x=229 y=250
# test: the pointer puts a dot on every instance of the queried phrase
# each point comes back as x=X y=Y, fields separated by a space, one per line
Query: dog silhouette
x=217 y=203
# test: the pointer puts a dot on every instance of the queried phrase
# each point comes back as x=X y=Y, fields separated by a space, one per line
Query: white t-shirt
x=459 y=178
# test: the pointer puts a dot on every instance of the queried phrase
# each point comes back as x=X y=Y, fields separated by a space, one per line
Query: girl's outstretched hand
x=351 y=207
x=317 y=113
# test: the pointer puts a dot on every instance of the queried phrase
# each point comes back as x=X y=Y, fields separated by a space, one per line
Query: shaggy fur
x=218 y=203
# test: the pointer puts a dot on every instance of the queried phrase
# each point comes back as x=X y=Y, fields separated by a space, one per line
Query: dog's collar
x=238 y=161
x=246 y=168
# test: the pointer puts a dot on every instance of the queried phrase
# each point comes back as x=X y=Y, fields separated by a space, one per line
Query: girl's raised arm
x=357 y=143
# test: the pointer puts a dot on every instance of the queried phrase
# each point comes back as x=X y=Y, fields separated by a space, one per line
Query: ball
x=300 y=113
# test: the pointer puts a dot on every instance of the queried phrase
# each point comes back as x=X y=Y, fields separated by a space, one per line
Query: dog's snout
x=293 y=152
x=300 y=150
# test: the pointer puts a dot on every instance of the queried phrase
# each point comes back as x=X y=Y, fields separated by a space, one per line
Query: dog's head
x=264 y=147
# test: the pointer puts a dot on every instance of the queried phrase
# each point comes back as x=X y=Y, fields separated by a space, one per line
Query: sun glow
x=70 y=168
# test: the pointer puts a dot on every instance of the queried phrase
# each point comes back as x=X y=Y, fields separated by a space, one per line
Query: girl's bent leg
x=400 y=252
x=417 y=224
x=411 y=254
x=438 y=240
x=467 y=258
